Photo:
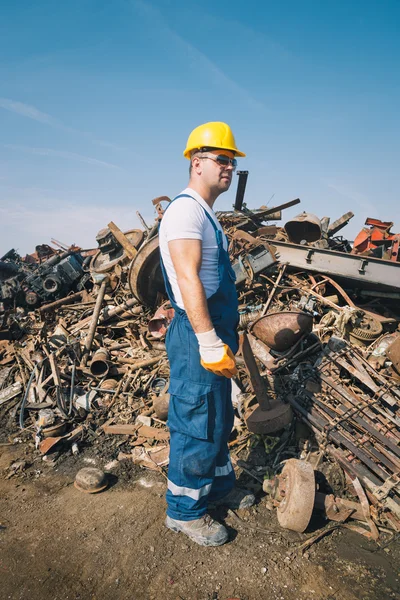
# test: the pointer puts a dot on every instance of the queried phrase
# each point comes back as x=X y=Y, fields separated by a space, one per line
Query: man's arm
x=215 y=356
x=186 y=258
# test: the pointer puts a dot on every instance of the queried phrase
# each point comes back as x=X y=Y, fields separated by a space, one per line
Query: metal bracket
x=309 y=256
x=362 y=266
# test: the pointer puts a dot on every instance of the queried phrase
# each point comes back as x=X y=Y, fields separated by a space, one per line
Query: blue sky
x=97 y=99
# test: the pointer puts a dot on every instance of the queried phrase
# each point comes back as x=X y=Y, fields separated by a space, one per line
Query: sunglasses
x=222 y=160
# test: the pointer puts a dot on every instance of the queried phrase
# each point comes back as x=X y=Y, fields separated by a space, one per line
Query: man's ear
x=196 y=164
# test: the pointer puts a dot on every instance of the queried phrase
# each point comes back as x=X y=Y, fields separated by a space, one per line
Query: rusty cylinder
x=99 y=365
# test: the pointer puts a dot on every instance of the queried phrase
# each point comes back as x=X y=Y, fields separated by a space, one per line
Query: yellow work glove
x=215 y=356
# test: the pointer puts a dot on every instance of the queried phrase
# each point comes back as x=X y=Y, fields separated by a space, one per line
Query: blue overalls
x=200 y=416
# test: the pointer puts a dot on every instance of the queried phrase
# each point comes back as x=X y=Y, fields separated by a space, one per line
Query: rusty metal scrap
x=322 y=335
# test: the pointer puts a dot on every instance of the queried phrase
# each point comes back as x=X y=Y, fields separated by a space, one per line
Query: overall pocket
x=189 y=414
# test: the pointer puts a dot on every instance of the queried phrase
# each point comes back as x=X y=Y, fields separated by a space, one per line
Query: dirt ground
x=57 y=542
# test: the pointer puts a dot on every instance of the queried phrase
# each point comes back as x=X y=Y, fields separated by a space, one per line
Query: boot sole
x=202 y=541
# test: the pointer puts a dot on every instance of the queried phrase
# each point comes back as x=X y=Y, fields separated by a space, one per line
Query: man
x=201 y=341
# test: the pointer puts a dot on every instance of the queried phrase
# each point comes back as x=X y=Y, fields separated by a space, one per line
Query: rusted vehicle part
x=94 y=323
x=255 y=262
x=111 y=252
x=30 y=284
x=145 y=277
x=393 y=353
x=159 y=323
x=305 y=227
x=370 y=272
x=294 y=494
x=271 y=414
x=367 y=330
x=280 y=331
x=99 y=365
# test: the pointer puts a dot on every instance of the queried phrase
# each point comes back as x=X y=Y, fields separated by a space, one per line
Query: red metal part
x=384 y=225
x=376 y=235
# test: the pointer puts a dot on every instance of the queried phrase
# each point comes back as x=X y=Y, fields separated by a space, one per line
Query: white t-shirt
x=186 y=219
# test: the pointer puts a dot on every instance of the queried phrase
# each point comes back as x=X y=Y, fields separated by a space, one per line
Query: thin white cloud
x=31 y=112
x=196 y=56
x=26 y=110
x=62 y=154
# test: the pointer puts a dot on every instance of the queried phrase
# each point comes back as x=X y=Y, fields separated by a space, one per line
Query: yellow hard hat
x=211 y=135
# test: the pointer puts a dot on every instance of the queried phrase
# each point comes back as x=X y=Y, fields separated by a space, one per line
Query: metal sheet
x=365 y=270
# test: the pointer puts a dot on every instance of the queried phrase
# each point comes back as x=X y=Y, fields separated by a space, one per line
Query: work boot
x=236 y=499
x=204 y=531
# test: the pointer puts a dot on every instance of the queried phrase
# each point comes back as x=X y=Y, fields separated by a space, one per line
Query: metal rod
x=137 y=364
x=282 y=269
x=57 y=303
x=94 y=322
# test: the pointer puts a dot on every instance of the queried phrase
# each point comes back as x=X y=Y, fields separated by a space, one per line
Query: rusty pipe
x=99 y=365
x=109 y=314
x=94 y=322
x=137 y=364
x=58 y=303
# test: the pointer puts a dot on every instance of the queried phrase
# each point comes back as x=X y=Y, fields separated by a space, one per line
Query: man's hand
x=216 y=356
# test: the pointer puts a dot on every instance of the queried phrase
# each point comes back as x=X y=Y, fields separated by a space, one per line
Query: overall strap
x=217 y=231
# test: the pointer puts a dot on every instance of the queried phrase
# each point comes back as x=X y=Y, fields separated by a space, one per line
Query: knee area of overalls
x=197 y=462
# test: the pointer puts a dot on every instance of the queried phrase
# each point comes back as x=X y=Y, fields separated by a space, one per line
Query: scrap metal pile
x=320 y=344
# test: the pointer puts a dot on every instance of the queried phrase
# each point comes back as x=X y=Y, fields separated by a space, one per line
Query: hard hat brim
x=236 y=152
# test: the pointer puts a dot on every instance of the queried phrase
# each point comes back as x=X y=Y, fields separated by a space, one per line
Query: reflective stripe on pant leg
x=225 y=470
x=179 y=490
x=224 y=479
